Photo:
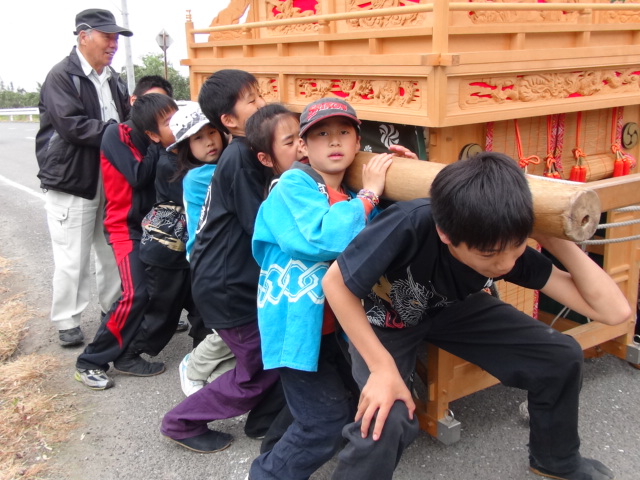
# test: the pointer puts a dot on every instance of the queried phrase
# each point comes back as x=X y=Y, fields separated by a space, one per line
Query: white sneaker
x=94 y=379
x=189 y=386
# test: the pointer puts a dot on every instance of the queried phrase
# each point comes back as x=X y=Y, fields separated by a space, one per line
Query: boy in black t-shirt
x=421 y=267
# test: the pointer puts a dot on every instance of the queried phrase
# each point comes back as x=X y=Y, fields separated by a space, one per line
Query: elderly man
x=80 y=97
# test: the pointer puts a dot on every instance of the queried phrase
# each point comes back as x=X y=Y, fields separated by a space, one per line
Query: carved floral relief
x=393 y=21
x=284 y=9
x=531 y=16
x=268 y=87
x=397 y=93
x=549 y=86
x=621 y=16
x=520 y=16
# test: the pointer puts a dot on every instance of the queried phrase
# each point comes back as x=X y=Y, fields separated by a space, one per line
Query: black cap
x=102 y=20
x=325 y=108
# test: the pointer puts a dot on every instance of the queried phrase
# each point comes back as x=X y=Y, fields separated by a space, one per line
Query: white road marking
x=28 y=190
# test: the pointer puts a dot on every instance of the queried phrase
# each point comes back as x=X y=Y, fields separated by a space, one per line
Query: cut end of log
x=582 y=219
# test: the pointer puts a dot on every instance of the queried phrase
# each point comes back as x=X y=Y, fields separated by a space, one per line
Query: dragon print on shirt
x=403 y=303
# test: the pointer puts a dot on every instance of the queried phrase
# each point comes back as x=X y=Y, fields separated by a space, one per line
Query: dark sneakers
x=209 y=442
x=133 y=364
x=588 y=469
x=71 y=337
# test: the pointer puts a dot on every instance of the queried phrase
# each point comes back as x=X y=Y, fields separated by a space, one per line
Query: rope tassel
x=579 y=170
x=551 y=171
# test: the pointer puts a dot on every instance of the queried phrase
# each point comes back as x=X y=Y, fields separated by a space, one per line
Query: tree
x=20 y=98
x=153 y=64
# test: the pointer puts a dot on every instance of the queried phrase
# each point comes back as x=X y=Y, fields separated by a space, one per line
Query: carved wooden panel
x=269 y=88
x=521 y=16
x=484 y=17
x=284 y=9
x=620 y=16
x=372 y=92
x=393 y=21
x=475 y=65
x=547 y=86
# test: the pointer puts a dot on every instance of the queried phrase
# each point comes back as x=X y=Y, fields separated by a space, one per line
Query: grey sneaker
x=94 y=379
x=71 y=337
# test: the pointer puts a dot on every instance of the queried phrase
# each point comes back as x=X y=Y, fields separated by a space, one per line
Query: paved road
x=119 y=438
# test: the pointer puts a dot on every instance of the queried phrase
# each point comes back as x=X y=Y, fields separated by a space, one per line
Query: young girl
x=273 y=134
x=307 y=220
x=198 y=146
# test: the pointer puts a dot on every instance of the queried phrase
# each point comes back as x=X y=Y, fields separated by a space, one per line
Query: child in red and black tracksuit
x=128 y=163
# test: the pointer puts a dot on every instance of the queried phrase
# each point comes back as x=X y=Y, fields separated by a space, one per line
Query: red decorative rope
x=550 y=169
x=579 y=170
x=488 y=141
x=523 y=161
x=559 y=141
x=623 y=162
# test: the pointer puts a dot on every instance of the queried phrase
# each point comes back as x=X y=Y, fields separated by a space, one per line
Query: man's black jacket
x=71 y=128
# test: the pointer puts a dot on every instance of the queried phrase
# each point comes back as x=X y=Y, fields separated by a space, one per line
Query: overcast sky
x=37 y=34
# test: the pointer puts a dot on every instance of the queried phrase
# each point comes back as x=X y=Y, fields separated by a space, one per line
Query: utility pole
x=131 y=81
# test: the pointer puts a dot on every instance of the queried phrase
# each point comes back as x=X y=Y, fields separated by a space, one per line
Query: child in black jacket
x=224 y=273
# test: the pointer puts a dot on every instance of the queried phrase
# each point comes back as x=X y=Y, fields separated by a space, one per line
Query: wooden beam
x=617 y=192
x=562 y=209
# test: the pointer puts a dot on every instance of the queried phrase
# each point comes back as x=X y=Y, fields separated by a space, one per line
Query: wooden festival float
x=555 y=85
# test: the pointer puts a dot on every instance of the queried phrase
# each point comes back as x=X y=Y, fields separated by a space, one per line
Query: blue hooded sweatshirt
x=296 y=236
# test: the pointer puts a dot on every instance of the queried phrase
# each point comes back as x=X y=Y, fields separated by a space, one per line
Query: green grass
x=20 y=118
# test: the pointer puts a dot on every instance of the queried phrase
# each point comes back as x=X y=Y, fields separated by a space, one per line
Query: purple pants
x=233 y=393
